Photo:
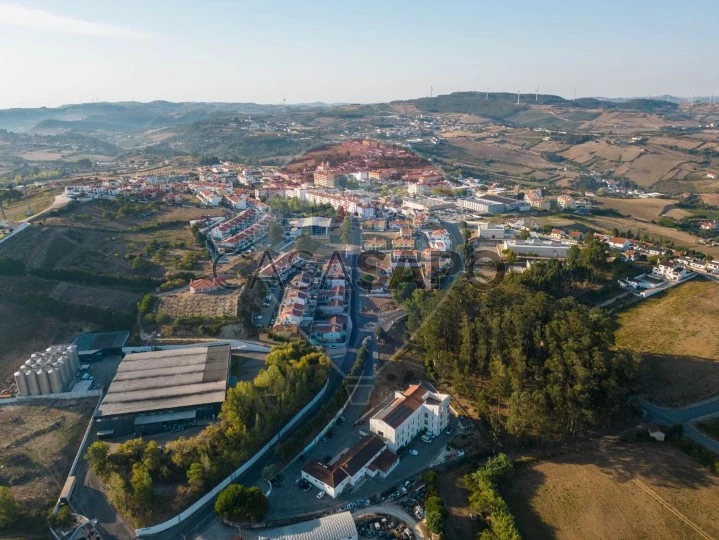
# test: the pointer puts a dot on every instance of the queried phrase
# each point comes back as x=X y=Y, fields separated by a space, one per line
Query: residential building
x=670 y=270
x=565 y=202
x=204 y=285
x=536 y=200
x=346 y=471
x=418 y=409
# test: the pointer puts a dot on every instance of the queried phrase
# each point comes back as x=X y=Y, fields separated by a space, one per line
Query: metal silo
x=44 y=381
x=22 y=388
x=68 y=368
x=60 y=366
x=55 y=380
x=32 y=384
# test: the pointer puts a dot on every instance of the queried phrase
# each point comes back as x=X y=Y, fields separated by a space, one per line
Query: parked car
x=320 y=494
x=414 y=452
x=258 y=317
x=449 y=431
x=426 y=439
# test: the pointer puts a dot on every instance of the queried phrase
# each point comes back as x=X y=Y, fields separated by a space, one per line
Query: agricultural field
x=654 y=231
x=644 y=209
x=638 y=490
x=676 y=334
x=38 y=445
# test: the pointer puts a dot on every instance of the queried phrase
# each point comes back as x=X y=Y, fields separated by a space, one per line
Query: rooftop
x=333 y=527
x=161 y=380
x=102 y=340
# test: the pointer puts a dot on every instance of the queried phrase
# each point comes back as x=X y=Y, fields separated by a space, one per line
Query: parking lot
x=288 y=499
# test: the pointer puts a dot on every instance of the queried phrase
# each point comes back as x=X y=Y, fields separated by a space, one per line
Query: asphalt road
x=687 y=416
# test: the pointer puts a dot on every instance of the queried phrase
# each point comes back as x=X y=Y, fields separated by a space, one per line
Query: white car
x=320 y=494
x=413 y=452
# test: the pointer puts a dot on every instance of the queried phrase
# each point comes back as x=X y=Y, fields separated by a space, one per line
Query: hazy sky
x=54 y=52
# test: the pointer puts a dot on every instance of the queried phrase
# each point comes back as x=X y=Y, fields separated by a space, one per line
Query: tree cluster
x=546 y=364
x=239 y=503
x=485 y=500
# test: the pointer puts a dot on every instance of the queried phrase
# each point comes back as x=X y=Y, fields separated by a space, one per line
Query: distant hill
x=128 y=116
x=503 y=106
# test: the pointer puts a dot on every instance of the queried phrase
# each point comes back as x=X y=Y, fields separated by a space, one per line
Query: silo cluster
x=48 y=372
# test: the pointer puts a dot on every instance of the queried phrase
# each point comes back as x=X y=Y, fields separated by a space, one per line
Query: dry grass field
x=640 y=490
x=504 y=153
x=184 y=304
x=651 y=166
x=676 y=333
x=38 y=445
x=646 y=209
x=113 y=298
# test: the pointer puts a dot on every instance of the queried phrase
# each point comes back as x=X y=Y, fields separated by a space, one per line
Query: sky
x=55 y=52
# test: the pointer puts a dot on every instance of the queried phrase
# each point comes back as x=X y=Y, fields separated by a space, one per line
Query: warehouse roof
x=102 y=340
x=161 y=380
x=333 y=527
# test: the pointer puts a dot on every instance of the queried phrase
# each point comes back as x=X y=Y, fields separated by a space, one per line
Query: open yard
x=676 y=334
x=185 y=304
x=638 y=490
x=38 y=445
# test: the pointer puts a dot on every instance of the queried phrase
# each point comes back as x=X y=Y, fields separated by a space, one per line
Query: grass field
x=676 y=333
x=639 y=490
x=646 y=209
x=38 y=445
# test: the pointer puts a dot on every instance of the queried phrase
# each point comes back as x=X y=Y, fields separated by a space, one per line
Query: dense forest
x=536 y=362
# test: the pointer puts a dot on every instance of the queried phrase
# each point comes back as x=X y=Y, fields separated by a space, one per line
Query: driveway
x=687 y=416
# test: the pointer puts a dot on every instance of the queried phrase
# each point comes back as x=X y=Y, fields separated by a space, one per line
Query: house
x=577 y=236
x=655 y=432
x=670 y=270
x=536 y=200
x=402 y=243
x=629 y=255
x=557 y=234
x=208 y=198
x=204 y=285
x=712 y=267
x=619 y=243
x=374 y=244
x=350 y=468
x=565 y=202
x=417 y=409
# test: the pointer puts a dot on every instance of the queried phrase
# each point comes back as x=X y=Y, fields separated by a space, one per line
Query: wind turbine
x=536 y=95
x=518 y=93
x=431 y=91
x=574 y=95
x=486 y=95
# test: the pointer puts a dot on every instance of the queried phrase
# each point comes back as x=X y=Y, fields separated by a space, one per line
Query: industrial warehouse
x=164 y=390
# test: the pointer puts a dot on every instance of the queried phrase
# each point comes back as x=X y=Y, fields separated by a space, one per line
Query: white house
x=417 y=409
x=619 y=243
x=348 y=470
x=670 y=270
